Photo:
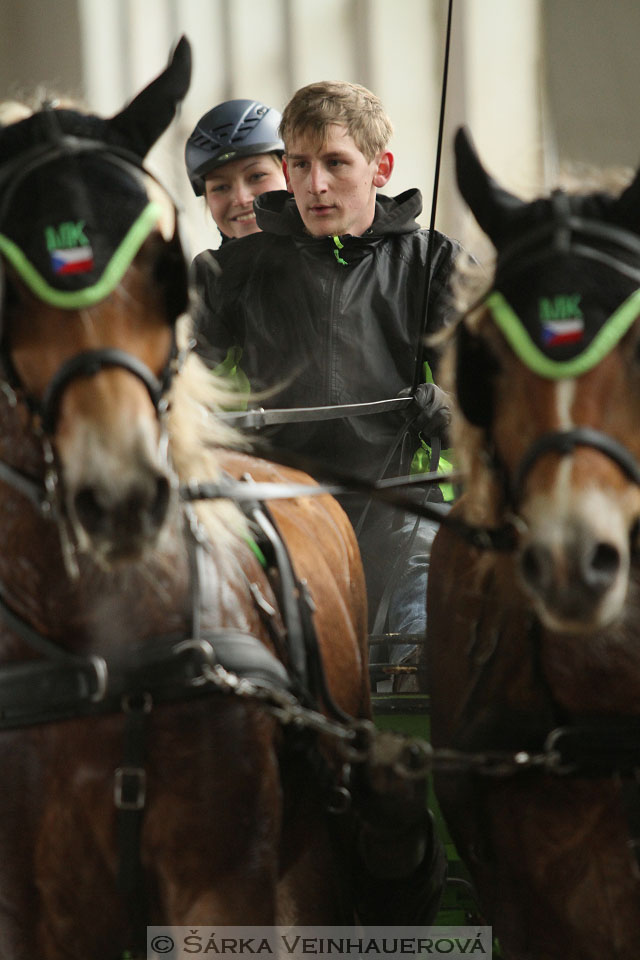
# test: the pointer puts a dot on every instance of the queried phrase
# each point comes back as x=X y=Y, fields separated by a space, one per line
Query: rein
x=390 y=490
x=262 y=418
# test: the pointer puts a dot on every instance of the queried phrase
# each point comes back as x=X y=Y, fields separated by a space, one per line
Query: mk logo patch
x=66 y=235
x=561 y=320
x=69 y=248
x=561 y=307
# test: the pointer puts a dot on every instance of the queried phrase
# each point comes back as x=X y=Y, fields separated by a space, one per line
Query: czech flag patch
x=557 y=333
x=72 y=260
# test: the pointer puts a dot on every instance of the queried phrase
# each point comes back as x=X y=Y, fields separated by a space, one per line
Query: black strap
x=30 y=487
x=130 y=791
x=504 y=537
x=564 y=442
x=630 y=791
x=297 y=608
x=87 y=364
x=598 y=746
x=288 y=594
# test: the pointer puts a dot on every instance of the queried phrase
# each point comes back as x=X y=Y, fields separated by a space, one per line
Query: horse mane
x=471 y=283
x=197 y=436
x=14 y=110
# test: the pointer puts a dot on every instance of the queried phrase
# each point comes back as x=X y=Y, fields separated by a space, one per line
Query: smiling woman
x=233 y=155
x=230 y=190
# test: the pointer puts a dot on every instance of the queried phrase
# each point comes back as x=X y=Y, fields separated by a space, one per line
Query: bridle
x=619 y=251
x=44 y=412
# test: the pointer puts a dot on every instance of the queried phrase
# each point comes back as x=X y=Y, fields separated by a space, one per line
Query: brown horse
x=542 y=634
x=143 y=782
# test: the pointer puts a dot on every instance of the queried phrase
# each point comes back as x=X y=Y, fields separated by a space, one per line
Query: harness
x=193 y=664
x=553 y=741
x=547 y=741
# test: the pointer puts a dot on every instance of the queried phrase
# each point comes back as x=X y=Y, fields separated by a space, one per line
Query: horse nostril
x=603 y=566
x=142 y=509
x=89 y=512
x=537 y=566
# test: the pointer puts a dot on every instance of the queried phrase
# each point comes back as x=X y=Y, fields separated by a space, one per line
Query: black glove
x=430 y=412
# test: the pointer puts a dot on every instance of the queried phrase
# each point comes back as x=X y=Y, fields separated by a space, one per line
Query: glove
x=430 y=411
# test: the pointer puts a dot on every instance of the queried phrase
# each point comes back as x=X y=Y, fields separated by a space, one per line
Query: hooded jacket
x=321 y=322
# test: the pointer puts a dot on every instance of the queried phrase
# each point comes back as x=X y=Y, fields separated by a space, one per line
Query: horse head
x=92 y=291
x=547 y=374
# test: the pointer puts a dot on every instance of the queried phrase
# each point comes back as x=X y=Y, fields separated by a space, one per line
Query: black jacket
x=316 y=331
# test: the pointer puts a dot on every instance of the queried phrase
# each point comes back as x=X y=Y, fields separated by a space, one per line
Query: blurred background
x=539 y=82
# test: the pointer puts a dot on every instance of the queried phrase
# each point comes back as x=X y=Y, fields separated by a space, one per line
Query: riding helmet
x=236 y=128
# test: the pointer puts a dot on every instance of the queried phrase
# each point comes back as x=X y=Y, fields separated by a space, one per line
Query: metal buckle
x=130 y=780
x=208 y=657
x=99 y=664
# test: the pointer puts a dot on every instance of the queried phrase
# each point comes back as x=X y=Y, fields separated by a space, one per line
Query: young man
x=326 y=306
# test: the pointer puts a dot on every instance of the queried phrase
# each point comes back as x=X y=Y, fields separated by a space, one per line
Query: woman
x=233 y=154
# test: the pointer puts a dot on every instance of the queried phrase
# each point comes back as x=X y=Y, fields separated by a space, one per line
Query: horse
x=183 y=684
x=533 y=598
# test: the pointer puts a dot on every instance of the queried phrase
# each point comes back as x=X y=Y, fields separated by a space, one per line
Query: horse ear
x=492 y=206
x=626 y=209
x=152 y=110
x=476 y=367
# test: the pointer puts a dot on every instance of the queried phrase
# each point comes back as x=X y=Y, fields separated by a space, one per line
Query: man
x=326 y=306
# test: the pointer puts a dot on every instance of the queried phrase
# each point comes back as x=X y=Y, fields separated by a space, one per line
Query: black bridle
x=44 y=412
x=610 y=246
x=88 y=364
x=564 y=442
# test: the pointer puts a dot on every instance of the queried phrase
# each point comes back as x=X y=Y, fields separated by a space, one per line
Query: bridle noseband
x=564 y=442
x=88 y=364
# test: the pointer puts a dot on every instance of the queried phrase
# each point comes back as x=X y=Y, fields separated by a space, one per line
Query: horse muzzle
x=574 y=559
x=117 y=484
x=576 y=575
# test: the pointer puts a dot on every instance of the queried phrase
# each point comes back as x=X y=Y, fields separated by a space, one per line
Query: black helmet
x=236 y=128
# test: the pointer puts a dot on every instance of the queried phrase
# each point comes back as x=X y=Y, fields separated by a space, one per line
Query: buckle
x=99 y=665
x=130 y=788
x=208 y=658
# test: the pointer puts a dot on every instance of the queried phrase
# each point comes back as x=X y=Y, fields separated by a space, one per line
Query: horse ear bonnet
x=74 y=208
x=567 y=278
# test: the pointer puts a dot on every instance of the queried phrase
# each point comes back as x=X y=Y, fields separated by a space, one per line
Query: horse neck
x=97 y=610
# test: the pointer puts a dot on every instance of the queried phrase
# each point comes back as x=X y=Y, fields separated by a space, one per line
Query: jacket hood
x=276 y=212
